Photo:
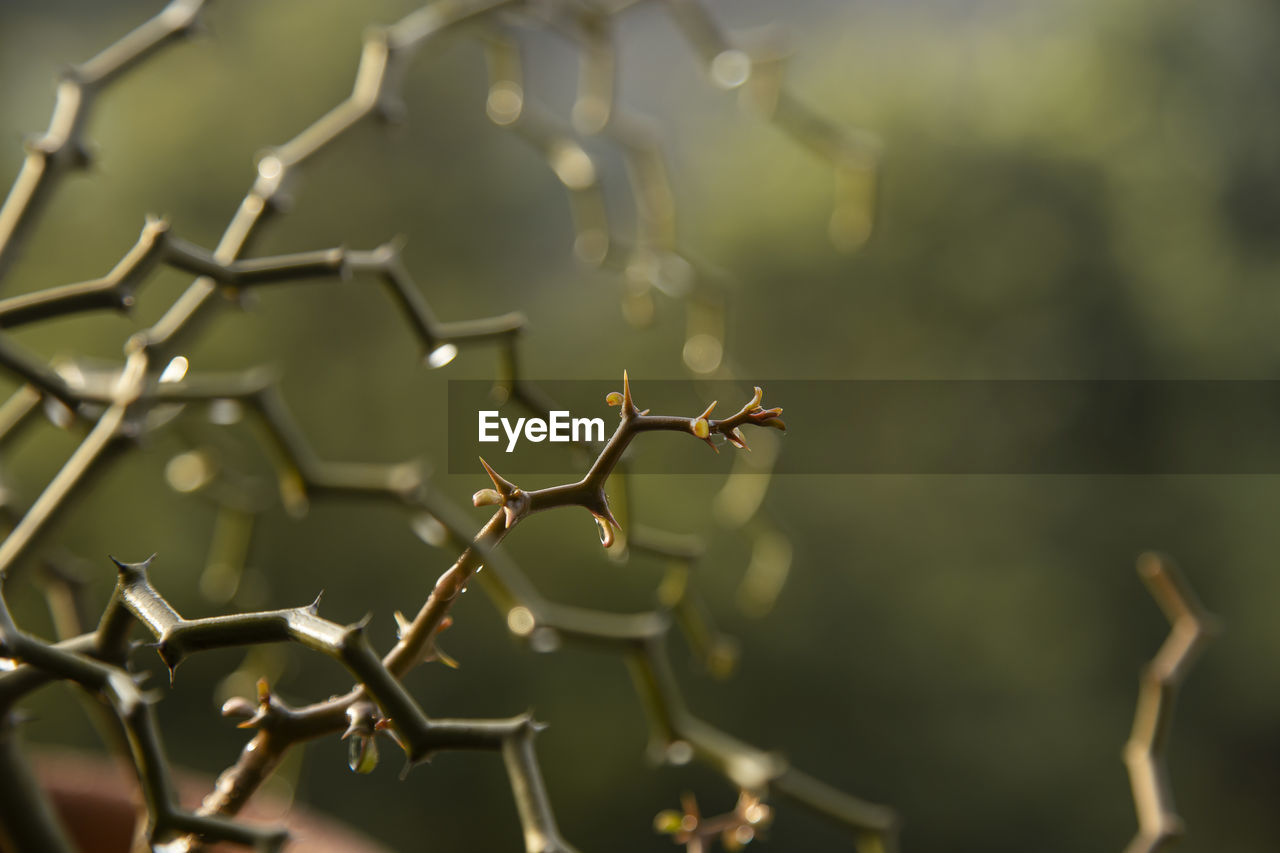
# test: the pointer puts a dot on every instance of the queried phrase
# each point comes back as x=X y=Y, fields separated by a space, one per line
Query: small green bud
x=668 y=822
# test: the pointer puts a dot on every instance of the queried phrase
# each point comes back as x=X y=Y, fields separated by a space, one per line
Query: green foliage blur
x=1069 y=190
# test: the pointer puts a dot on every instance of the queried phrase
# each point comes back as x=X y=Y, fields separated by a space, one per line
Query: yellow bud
x=613 y=398
x=700 y=428
x=486 y=497
x=667 y=822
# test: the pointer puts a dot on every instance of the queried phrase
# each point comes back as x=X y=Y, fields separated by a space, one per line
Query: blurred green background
x=1069 y=190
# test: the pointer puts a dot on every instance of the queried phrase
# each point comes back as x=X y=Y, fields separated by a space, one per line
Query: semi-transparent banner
x=1070 y=427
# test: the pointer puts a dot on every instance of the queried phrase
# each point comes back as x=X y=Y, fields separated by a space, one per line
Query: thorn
x=445 y=659
x=170 y=660
x=314 y=607
x=628 y=407
x=410 y=762
x=360 y=721
x=504 y=486
x=133 y=567
x=513 y=501
x=607 y=511
x=402 y=624
x=707 y=414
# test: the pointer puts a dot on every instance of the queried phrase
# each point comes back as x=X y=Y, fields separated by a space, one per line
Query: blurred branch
x=735 y=829
x=683 y=737
x=62 y=147
x=382 y=65
x=27 y=818
x=760 y=73
x=1144 y=754
x=17 y=410
x=157 y=245
x=88 y=456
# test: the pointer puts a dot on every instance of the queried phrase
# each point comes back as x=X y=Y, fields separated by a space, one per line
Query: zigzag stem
x=528 y=614
x=1144 y=753
x=640 y=636
x=177 y=638
x=62 y=148
x=157 y=246
x=380 y=65
x=118 y=688
x=132 y=391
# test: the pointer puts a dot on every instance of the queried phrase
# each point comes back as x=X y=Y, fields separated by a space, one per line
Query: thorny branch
x=122 y=405
x=639 y=636
x=118 y=688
